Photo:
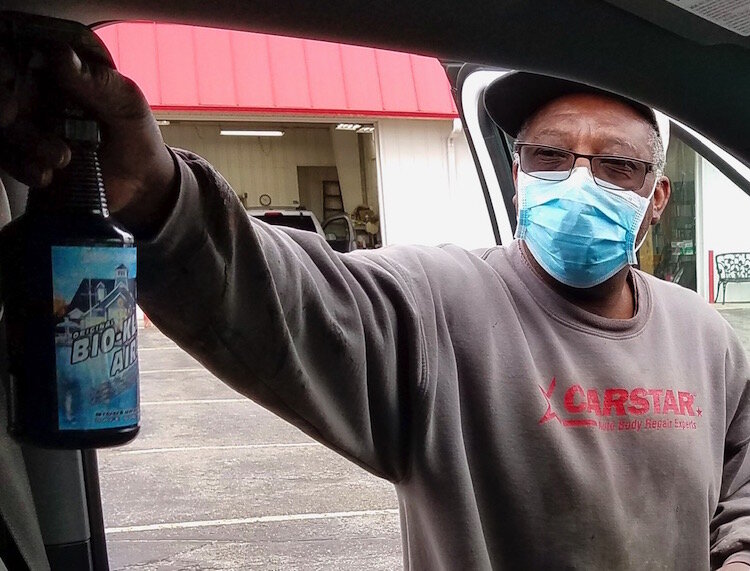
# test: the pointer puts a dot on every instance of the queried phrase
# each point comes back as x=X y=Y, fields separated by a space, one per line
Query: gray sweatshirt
x=520 y=431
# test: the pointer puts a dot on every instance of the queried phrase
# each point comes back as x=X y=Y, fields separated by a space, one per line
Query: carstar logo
x=618 y=409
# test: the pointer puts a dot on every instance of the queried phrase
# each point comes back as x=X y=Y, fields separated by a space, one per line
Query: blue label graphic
x=95 y=337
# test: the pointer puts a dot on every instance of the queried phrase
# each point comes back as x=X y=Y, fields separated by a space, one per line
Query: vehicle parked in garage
x=290 y=218
x=337 y=230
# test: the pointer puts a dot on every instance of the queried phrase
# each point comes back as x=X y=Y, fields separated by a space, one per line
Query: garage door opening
x=326 y=170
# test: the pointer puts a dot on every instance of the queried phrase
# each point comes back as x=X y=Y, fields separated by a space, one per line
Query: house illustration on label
x=97 y=301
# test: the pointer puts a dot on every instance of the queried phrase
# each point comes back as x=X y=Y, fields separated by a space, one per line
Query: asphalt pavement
x=738 y=316
x=214 y=481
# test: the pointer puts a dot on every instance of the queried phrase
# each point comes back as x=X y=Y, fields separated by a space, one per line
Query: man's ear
x=662 y=192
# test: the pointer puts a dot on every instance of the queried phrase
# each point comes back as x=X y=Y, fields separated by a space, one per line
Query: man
x=540 y=405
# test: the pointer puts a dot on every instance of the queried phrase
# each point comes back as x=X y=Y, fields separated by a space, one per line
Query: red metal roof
x=189 y=68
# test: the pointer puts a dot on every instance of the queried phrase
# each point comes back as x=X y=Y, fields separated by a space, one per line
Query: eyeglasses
x=610 y=172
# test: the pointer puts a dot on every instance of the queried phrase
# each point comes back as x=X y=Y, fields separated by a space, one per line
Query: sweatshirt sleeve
x=331 y=343
x=730 y=527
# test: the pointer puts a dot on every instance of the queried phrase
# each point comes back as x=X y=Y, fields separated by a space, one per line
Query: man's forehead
x=588 y=107
x=596 y=117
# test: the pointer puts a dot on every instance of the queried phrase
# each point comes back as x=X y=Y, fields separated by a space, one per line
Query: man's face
x=598 y=125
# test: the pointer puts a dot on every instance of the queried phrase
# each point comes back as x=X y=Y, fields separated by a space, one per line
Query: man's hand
x=138 y=169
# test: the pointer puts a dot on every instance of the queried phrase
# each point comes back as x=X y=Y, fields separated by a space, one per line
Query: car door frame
x=492 y=152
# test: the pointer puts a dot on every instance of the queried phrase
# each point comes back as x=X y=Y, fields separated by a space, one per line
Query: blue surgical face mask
x=580 y=233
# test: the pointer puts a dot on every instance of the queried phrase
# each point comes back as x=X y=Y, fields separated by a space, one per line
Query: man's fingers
x=97 y=88
x=27 y=172
x=31 y=156
x=52 y=152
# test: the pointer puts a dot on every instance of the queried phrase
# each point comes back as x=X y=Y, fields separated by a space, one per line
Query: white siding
x=256 y=165
x=423 y=200
x=724 y=220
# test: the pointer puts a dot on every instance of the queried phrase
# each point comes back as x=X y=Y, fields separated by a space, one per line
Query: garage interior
x=292 y=165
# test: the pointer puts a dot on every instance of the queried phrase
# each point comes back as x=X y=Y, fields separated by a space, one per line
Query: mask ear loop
x=518 y=232
x=650 y=196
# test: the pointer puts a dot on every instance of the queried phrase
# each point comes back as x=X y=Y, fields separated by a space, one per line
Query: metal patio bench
x=733 y=267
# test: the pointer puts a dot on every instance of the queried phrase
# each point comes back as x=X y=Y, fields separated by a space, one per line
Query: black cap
x=516 y=96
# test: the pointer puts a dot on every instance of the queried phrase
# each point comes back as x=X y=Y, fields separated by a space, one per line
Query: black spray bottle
x=68 y=280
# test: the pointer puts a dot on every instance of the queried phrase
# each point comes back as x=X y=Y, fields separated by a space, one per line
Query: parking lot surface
x=214 y=481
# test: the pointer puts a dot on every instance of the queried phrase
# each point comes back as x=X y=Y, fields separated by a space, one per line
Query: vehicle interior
x=663 y=53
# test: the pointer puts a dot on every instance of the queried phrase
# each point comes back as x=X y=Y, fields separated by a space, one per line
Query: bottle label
x=96 y=328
